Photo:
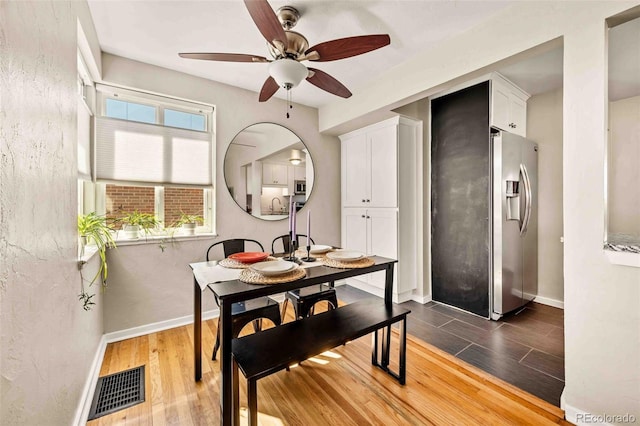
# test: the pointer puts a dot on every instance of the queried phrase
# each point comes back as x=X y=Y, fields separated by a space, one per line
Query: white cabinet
x=374 y=232
x=370 y=162
x=508 y=106
x=382 y=196
x=299 y=173
x=274 y=174
x=295 y=173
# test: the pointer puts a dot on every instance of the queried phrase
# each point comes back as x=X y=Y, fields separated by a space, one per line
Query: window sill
x=89 y=252
x=622 y=249
x=155 y=239
x=623 y=258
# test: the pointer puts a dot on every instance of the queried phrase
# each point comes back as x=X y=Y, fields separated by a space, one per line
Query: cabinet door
x=355 y=168
x=354 y=229
x=279 y=174
x=383 y=168
x=500 y=105
x=274 y=174
x=382 y=232
x=266 y=174
x=518 y=115
x=299 y=173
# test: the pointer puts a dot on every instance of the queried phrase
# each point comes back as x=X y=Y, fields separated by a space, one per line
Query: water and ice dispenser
x=513 y=200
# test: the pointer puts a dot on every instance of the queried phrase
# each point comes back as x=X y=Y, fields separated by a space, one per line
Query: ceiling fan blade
x=226 y=57
x=347 y=47
x=324 y=81
x=267 y=22
x=268 y=89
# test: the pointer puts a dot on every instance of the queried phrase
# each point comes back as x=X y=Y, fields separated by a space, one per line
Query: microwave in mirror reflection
x=300 y=187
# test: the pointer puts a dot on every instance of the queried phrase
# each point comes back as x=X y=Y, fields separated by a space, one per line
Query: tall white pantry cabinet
x=382 y=197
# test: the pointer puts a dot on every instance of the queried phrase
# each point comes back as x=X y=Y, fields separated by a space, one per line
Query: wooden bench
x=261 y=354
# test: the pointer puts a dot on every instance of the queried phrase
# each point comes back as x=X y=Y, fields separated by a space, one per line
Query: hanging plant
x=94 y=230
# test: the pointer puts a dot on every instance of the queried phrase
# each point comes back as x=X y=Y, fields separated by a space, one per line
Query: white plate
x=345 y=255
x=273 y=267
x=319 y=249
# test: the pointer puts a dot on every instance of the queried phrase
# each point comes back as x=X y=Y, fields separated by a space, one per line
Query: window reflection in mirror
x=266 y=167
x=623 y=153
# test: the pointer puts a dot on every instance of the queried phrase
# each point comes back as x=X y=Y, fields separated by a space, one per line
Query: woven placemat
x=234 y=264
x=360 y=263
x=303 y=253
x=253 y=277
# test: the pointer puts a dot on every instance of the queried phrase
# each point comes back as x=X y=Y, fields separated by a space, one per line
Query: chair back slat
x=231 y=246
x=286 y=242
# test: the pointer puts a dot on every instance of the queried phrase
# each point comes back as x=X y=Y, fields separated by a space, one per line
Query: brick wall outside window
x=182 y=200
x=126 y=199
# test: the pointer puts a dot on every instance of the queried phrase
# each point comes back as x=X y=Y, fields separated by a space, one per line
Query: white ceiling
x=154 y=31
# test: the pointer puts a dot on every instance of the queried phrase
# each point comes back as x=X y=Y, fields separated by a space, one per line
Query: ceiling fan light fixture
x=288 y=73
x=296 y=157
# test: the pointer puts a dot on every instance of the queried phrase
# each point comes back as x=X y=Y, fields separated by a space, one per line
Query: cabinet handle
x=368 y=217
x=363 y=200
x=368 y=201
x=363 y=216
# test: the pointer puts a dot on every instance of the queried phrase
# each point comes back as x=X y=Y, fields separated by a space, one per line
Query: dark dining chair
x=254 y=310
x=303 y=300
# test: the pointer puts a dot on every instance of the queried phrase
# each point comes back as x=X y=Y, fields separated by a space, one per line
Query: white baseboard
x=580 y=417
x=129 y=333
x=82 y=412
x=550 y=302
x=421 y=299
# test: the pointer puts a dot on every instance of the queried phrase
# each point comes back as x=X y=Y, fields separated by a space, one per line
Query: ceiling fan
x=288 y=48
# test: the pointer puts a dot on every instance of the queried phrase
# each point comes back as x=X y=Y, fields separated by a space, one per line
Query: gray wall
x=544 y=126
x=47 y=341
x=147 y=285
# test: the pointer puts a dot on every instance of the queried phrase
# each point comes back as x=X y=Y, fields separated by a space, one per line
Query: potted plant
x=134 y=222
x=93 y=229
x=189 y=222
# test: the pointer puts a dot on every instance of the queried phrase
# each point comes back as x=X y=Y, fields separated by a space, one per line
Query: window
x=129 y=111
x=153 y=155
x=184 y=120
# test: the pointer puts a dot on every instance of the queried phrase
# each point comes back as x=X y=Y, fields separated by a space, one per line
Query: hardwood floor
x=338 y=387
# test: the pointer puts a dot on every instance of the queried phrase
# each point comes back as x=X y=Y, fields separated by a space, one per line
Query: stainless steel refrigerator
x=514 y=222
x=483 y=208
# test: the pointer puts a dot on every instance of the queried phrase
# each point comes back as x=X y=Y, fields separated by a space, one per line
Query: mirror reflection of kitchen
x=266 y=167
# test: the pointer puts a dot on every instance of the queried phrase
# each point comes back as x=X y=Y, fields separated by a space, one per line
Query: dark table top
x=235 y=290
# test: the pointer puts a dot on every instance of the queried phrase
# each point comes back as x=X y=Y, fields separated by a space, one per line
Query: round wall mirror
x=266 y=168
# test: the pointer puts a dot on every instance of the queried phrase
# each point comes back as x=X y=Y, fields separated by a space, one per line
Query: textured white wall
x=147 y=285
x=544 y=126
x=47 y=341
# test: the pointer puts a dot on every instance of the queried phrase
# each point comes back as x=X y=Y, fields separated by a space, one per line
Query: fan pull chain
x=289 y=102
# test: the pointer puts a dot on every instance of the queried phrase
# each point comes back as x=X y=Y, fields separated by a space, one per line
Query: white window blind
x=133 y=152
x=84 y=140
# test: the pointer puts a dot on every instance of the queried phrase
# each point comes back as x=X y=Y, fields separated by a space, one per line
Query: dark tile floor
x=525 y=348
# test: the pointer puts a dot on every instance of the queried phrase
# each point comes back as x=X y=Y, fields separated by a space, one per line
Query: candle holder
x=308 y=258
x=292 y=252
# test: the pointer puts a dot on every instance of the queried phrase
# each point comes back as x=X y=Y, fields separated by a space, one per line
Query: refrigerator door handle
x=527 y=193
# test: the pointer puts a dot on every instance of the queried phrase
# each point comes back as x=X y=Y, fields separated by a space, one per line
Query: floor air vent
x=117 y=391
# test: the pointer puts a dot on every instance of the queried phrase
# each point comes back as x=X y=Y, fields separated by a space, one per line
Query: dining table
x=229 y=289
